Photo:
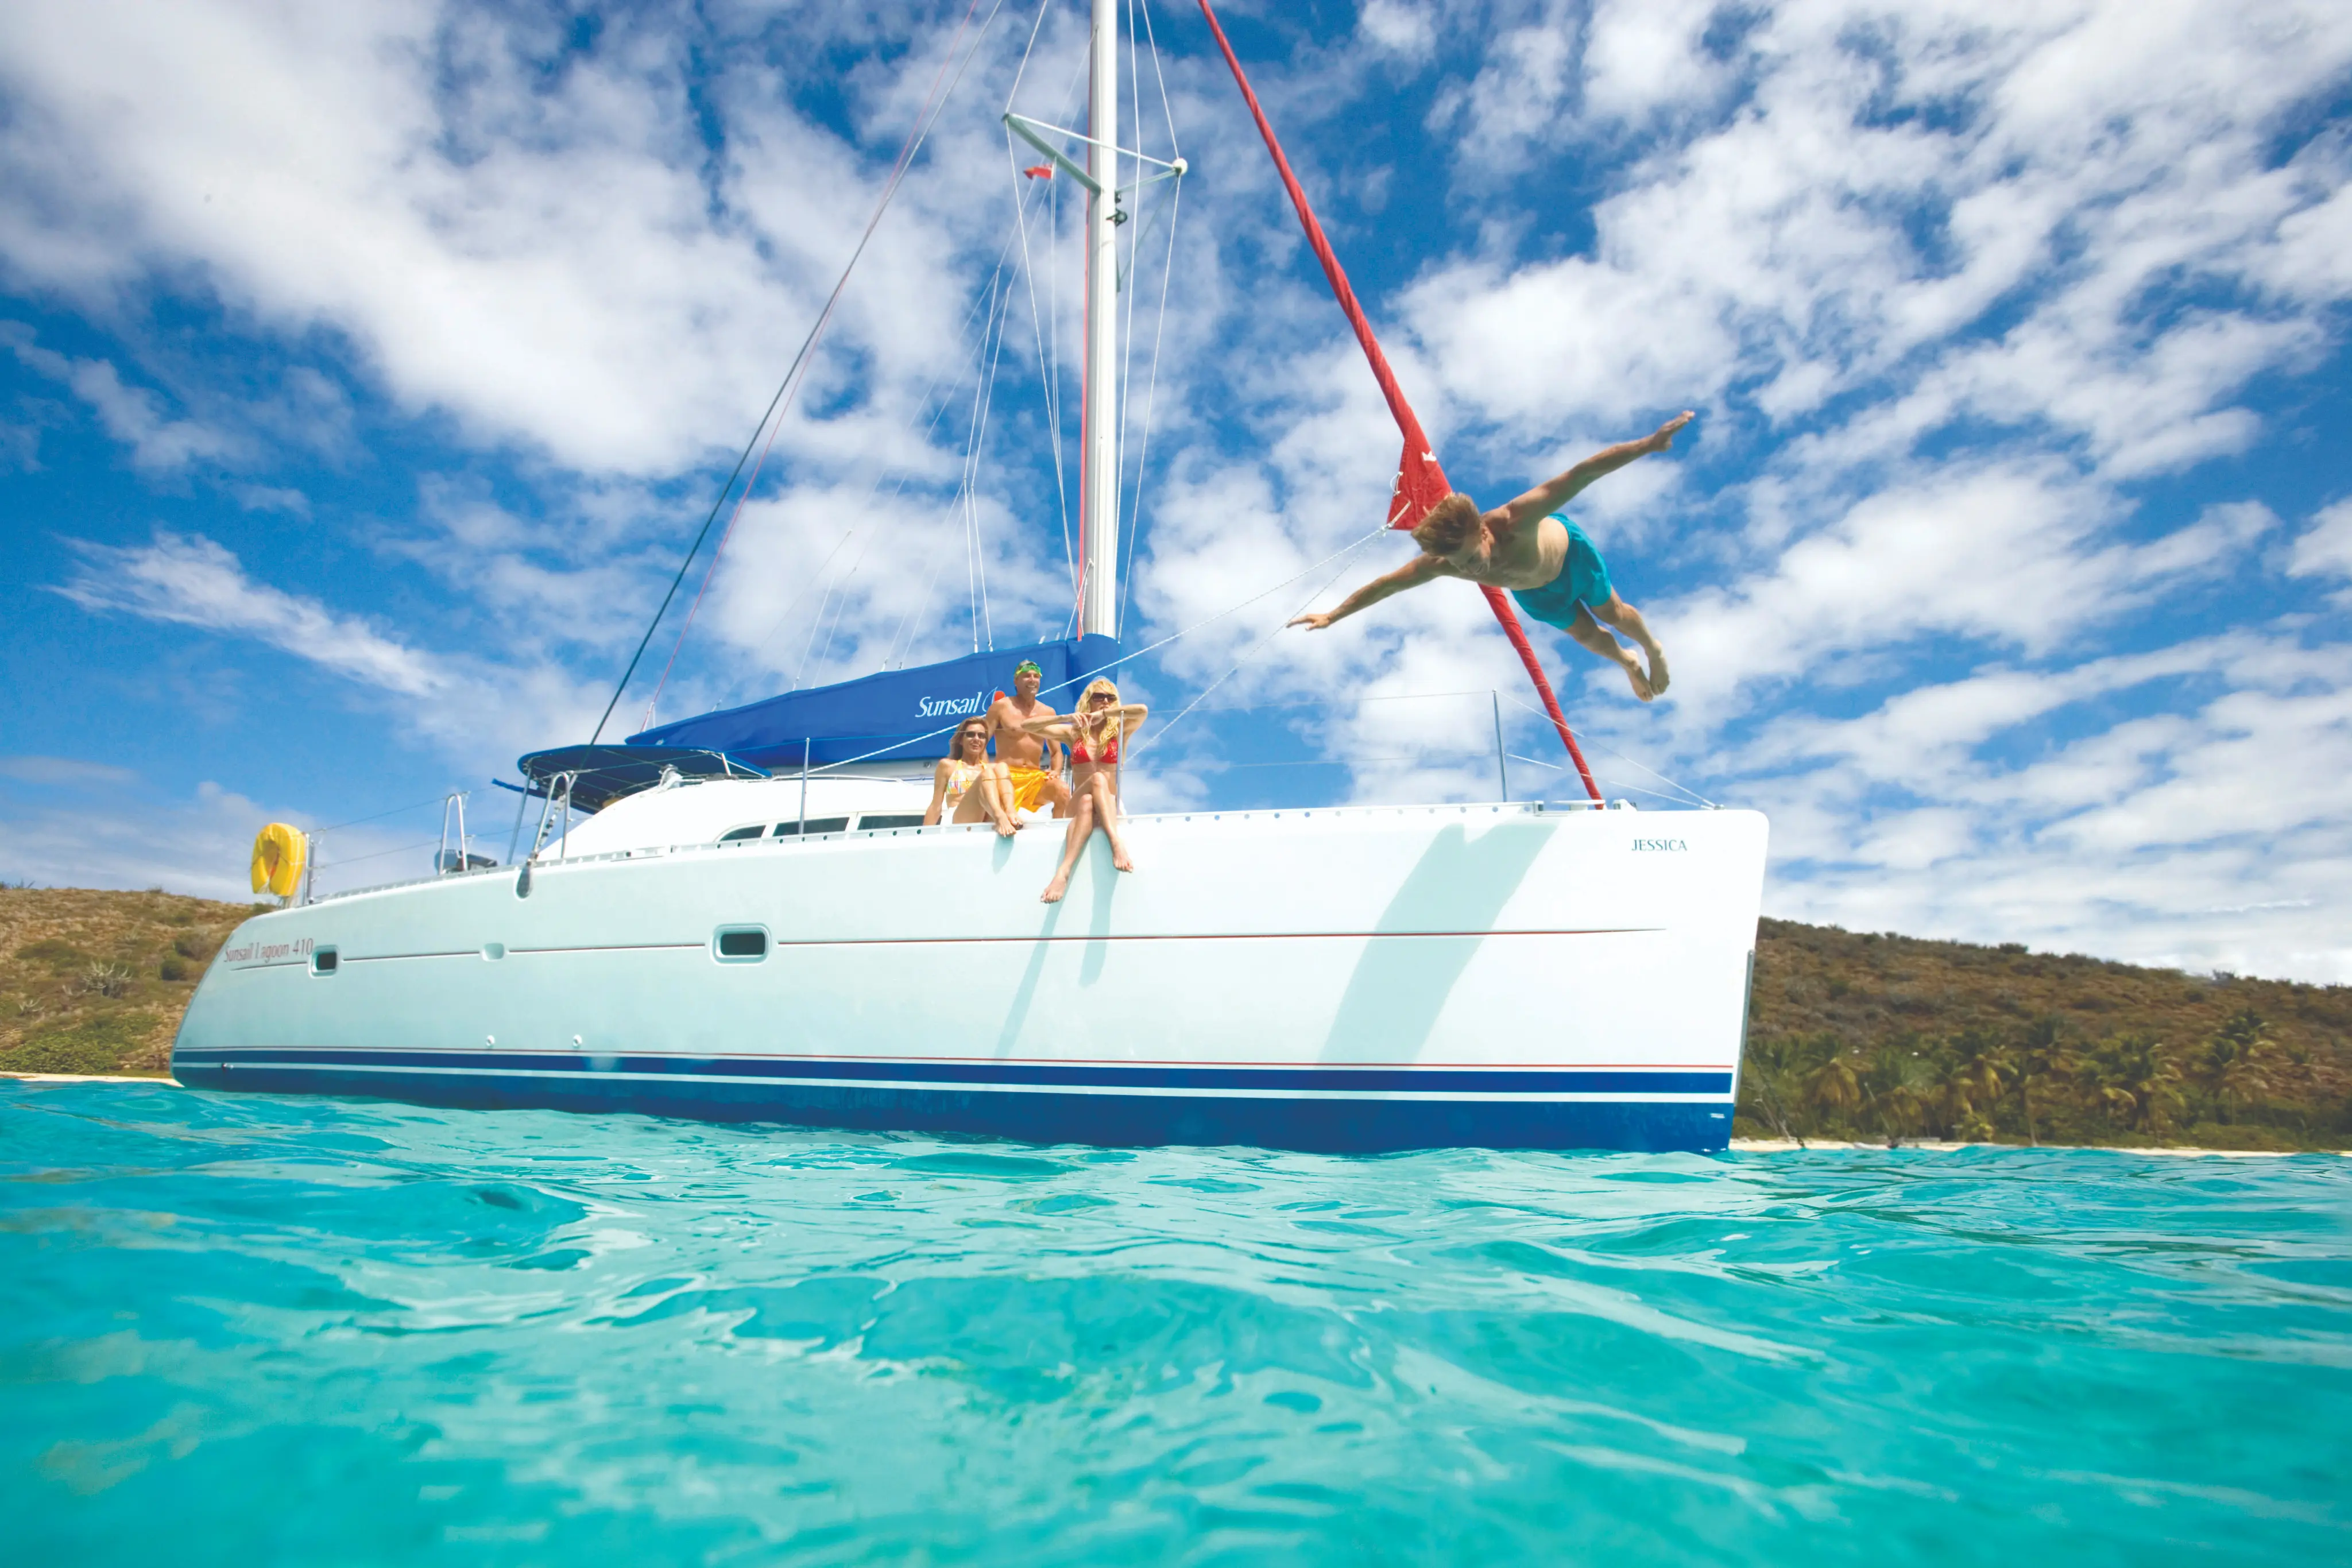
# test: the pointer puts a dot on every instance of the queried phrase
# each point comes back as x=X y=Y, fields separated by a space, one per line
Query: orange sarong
x=1028 y=786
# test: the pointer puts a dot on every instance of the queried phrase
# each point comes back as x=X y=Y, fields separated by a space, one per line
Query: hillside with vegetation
x=1851 y=1035
x=96 y=982
x=1875 y=1036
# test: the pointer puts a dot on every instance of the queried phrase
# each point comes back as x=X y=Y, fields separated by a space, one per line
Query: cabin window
x=741 y=944
x=323 y=960
x=732 y=834
x=813 y=825
x=891 y=820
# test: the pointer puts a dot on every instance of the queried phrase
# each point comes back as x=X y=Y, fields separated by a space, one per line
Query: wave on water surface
x=245 y=1330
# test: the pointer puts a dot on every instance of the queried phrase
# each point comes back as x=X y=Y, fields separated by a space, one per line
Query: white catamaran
x=742 y=916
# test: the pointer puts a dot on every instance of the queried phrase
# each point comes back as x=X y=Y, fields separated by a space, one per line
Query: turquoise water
x=257 y=1331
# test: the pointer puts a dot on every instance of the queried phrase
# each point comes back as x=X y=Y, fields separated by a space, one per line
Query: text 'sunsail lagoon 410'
x=740 y=915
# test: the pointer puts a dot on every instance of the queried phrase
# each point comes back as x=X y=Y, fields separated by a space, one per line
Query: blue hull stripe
x=1331 y=1125
x=1082 y=1076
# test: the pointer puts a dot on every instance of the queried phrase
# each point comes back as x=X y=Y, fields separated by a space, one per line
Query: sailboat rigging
x=742 y=916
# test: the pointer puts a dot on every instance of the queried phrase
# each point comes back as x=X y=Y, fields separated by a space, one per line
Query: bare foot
x=1119 y=858
x=1006 y=829
x=1640 y=683
x=1053 y=891
x=1659 y=678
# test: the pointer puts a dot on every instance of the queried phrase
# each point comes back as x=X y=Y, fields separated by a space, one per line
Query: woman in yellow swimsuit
x=1095 y=735
x=967 y=786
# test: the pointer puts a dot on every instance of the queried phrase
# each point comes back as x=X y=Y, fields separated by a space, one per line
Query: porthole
x=739 y=944
x=323 y=960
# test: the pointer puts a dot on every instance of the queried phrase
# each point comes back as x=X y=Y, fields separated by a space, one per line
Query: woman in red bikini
x=1095 y=735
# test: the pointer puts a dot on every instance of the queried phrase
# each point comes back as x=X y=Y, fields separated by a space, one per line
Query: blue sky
x=364 y=369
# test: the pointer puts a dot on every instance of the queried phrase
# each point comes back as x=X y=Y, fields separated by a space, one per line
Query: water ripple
x=242 y=1330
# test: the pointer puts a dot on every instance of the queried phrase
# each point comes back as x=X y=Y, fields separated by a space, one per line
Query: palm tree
x=1768 y=1062
x=2135 y=1080
x=2041 y=1054
x=2238 y=1060
x=1833 y=1085
x=1897 y=1086
x=1979 y=1069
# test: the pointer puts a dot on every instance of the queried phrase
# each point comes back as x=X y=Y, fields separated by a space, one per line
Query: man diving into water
x=1546 y=561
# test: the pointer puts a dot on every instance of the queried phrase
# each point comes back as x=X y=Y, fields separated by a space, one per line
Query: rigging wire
x=1049 y=384
x=1159 y=321
x=890 y=188
x=966 y=494
x=1151 y=404
x=840 y=607
x=830 y=624
x=1587 y=736
x=1683 y=799
x=1152 y=648
x=896 y=658
x=1045 y=328
x=865 y=512
x=1161 y=734
x=907 y=162
x=983 y=395
x=963 y=488
x=355 y=822
x=979 y=449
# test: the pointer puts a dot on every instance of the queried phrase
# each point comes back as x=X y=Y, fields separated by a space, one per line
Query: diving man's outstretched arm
x=1420 y=569
x=1553 y=494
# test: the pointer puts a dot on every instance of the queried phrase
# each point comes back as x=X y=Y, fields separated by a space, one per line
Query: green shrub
x=102 y=980
x=173 y=969
x=99 y=1044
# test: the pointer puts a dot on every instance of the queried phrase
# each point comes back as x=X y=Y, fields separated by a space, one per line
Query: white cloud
x=476 y=709
x=542 y=247
x=1952 y=284
x=1398 y=26
x=193 y=581
x=2325 y=549
x=132 y=415
x=63 y=771
x=201 y=843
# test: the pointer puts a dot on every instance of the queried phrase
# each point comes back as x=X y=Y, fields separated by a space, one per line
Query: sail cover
x=1420 y=482
x=897 y=716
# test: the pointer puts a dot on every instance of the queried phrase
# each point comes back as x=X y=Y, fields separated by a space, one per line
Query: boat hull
x=1358 y=980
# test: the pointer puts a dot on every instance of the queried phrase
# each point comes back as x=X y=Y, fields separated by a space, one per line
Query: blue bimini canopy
x=603 y=774
x=897 y=716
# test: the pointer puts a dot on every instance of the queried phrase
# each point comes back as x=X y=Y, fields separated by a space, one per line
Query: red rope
x=1421 y=483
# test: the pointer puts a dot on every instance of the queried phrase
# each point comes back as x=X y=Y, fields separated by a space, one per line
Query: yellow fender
x=279 y=853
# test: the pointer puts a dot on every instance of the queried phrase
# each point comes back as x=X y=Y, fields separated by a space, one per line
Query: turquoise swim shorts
x=1583 y=580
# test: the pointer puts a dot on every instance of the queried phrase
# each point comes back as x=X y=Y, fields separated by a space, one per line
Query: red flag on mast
x=1420 y=482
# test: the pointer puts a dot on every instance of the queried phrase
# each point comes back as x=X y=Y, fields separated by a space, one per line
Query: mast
x=1098 y=463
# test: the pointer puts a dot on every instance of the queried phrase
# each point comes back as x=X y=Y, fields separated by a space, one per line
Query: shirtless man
x=1034 y=765
x=1546 y=561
